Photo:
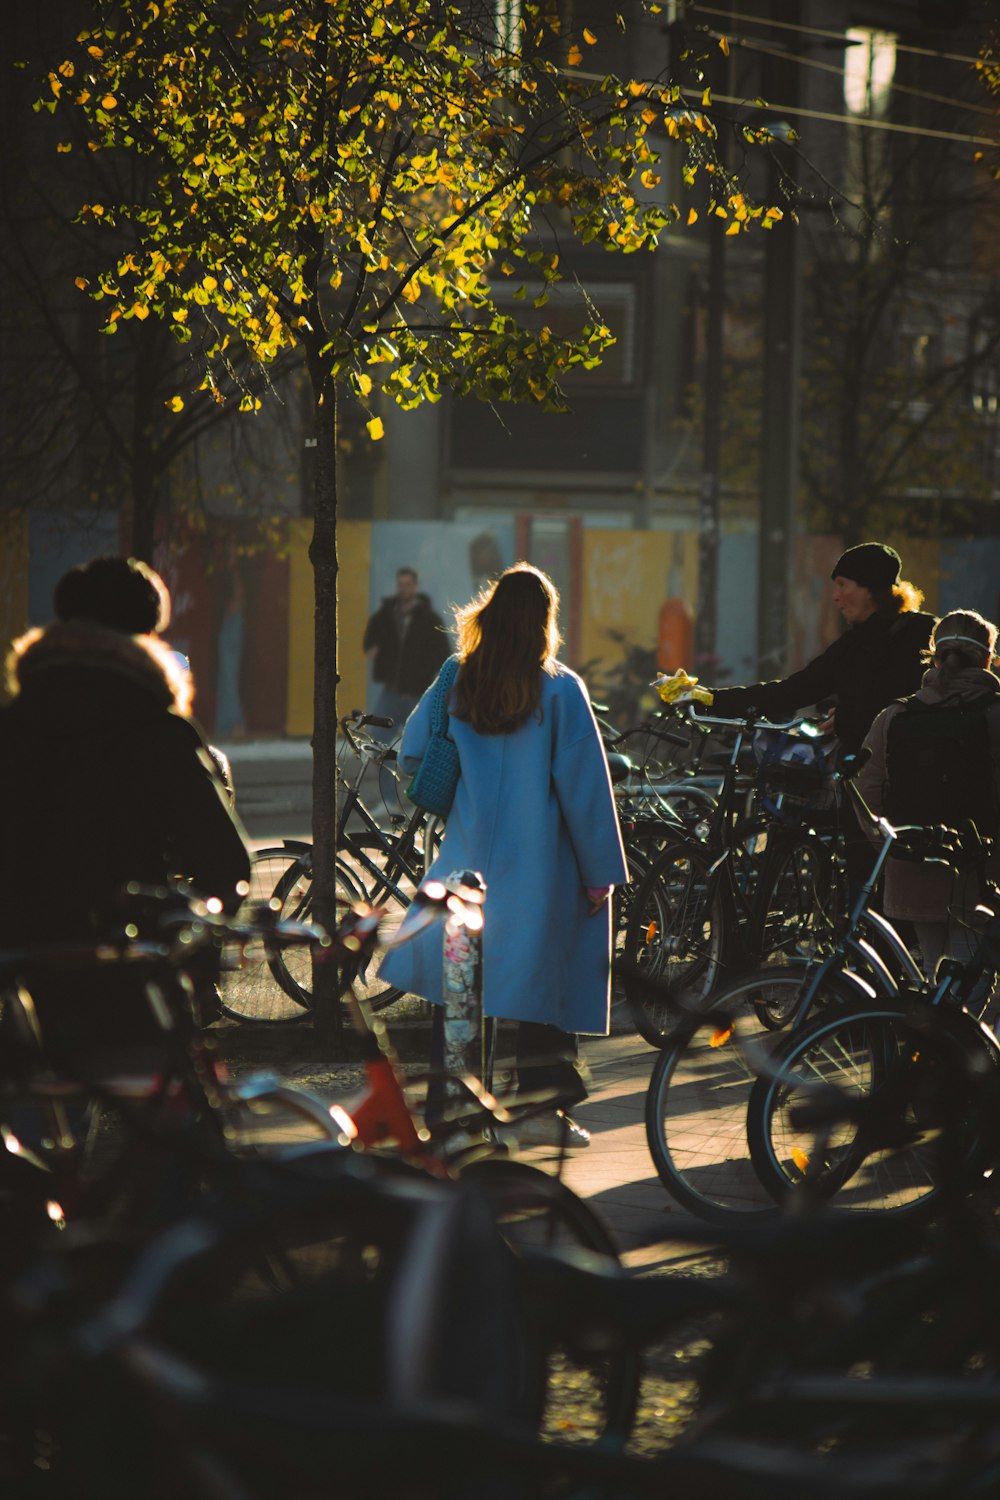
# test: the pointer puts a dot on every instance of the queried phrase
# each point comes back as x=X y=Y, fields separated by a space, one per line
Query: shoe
x=555 y=1129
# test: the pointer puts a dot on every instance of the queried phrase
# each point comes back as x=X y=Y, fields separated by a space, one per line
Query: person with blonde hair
x=875 y=660
x=935 y=759
x=534 y=814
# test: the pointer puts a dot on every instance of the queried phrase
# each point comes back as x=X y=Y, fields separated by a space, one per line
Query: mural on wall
x=230 y=619
x=970 y=577
x=243 y=604
x=57 y=543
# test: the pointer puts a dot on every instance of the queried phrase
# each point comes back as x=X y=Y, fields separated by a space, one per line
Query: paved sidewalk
x=615 y=1173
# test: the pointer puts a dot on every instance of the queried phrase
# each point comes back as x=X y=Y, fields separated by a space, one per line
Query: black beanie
x=873 y=565
x=118 y=592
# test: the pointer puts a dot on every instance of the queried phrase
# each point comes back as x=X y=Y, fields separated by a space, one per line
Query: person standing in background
x=406 y=643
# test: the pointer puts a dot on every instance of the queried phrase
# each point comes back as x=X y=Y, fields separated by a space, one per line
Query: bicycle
x=373 y=865
x=700 y=1089
x=707 y=905
x=922 y=1056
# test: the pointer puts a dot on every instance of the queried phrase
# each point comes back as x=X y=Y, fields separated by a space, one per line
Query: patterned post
x=463 y=975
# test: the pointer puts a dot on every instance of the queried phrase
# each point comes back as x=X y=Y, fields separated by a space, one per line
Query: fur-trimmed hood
x=144 y=660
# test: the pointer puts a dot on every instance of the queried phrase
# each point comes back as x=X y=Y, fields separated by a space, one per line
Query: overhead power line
x=751 y=44
x=837 y=36
x=867 y=122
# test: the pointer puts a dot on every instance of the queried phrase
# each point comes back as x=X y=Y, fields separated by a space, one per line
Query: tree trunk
x=323 y=556
x=145 y=502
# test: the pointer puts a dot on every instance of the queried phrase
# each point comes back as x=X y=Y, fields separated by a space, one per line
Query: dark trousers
x=546 y=1062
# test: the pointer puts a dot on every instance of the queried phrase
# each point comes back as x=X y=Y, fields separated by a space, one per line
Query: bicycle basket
x=796 y=767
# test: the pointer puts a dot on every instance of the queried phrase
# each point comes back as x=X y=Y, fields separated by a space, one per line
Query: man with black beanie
x=875 y=661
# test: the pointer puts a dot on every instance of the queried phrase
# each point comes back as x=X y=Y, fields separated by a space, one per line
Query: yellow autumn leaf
x=649 y=179
x=575 y=56
x=588 y=36
x=800 y=1158
x=692 y=217
x=734 y=227
x=375 y=429
x=176 y=403
x=109 y=101
x=721 y=1037
x=364 y=384
x=82 y=283
x=706 y=99
x=724 y=45
x=140 y=311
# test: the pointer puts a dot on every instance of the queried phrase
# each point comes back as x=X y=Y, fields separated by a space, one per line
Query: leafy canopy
x=359 y=177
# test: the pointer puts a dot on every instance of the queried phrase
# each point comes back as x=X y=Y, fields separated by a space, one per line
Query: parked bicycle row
x=198 y=1296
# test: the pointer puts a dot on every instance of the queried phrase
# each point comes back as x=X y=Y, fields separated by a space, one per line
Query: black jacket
x=867 y=668
x=103 y=780
x=407 y=663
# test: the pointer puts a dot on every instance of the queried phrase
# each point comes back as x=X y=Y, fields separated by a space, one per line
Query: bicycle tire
x=391 y=893
x=674 y=942
x=273 y=986
x=257 y=991
x=920 y=1064
x=794 y=912
x=699 y=1093
x=533 y=1210
x=622 y=901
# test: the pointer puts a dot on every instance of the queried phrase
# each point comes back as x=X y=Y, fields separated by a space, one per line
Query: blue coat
x=535 y=815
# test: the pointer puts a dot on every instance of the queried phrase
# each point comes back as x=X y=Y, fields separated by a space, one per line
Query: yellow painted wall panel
x=626 y=578
x=354 y=552
x=354 y=549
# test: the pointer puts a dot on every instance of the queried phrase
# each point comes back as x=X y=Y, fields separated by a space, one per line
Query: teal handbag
x=433 y=783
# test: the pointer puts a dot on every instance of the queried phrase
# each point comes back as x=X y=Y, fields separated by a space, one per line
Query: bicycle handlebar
x=357 y=719
x=745 y=722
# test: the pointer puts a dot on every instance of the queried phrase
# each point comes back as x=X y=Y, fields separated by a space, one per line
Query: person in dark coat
x=938 y=900
x=104 y=779
x=406 y=643
x=878 y=659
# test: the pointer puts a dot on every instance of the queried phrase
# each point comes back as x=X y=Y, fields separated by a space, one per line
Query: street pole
x=708 y=509
x=779 y=467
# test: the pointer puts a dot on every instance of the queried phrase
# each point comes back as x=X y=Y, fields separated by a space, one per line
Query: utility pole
x=779 y=467
x=708 y=502
x=709 y=530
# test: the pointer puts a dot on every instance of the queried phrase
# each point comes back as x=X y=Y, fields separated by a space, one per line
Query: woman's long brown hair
x=506 y=637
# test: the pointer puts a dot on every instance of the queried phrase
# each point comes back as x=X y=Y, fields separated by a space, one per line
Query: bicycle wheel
x=374 y=863
x=796 y=904
x=673 y=948
x=536 y=1211
x=699 y=1092
x=913 y=1134
x=622 y=902
x=258 y=990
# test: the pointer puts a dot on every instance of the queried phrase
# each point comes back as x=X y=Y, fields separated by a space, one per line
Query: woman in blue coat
x=535 y=815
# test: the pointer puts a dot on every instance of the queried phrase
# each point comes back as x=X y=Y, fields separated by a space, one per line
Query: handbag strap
x=439 y=701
